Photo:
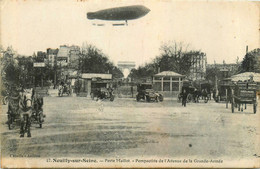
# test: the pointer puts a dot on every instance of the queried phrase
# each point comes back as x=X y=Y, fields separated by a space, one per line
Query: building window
x=175 y=86
x=166 y=86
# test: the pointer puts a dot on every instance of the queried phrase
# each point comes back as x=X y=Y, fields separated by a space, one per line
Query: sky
x=220 y=29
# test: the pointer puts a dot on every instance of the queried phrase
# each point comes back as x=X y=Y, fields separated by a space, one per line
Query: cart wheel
x=232 y=107
x=255 y=108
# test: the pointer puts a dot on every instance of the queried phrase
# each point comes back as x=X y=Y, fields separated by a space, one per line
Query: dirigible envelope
x=120 y=13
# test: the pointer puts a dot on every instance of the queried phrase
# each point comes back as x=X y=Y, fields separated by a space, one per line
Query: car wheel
x=160 y=98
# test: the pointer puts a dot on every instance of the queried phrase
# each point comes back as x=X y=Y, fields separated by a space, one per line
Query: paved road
x=78 y=126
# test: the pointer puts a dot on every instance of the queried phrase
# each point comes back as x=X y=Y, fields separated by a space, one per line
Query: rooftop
x=168 y=73
x=96 y=75
x=246 y=76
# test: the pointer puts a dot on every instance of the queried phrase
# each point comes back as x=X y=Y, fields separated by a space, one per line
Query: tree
x=174 y=57
x=212 y=74
x=10 y=70
x=92 y=60
x=26 y=70
x=251 y=61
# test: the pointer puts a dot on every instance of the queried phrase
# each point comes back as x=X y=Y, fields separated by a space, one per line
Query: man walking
x=184 y=98
x=132 y=91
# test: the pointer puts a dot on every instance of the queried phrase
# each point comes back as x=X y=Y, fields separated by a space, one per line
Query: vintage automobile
x=145 y=92
x=103 y=94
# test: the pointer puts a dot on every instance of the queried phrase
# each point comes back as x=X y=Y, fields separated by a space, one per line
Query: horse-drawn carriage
x=244 y=93
x=25 y=108
x=195 y=94
x=191 y=94
x=223 y=92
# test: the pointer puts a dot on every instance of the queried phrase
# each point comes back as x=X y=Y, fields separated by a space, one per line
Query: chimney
x=246 y=49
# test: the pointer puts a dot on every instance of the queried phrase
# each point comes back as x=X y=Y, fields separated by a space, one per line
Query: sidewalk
x=53 y=92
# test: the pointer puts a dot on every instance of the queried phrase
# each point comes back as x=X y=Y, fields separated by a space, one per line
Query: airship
x=119 y=13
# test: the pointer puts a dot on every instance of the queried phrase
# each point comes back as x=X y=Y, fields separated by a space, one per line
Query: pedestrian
x=110 y=91
x=184 y=98
x=132 y=91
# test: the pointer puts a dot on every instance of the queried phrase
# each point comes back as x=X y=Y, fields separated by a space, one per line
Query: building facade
x=230 y=69
x=63 y=55
x=198 y=67
x=52 y=56
x=74 y=52
x=41 y=56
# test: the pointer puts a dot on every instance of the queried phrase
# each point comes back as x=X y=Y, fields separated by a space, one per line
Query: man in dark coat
x=132 y=91
x=184 y=98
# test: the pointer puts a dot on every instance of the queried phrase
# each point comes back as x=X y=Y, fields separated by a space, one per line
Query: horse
x=196 y=96
x=25 y=111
